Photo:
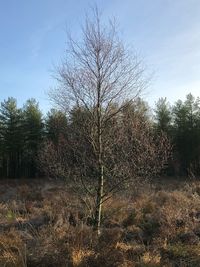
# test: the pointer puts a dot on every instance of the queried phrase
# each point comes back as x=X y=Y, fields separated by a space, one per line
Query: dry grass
x=156 y=227
x=12 y=250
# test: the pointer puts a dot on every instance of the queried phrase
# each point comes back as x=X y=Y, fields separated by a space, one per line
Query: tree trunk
x=98 y=208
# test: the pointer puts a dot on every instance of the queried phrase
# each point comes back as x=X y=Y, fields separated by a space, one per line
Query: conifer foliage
x=21 y=132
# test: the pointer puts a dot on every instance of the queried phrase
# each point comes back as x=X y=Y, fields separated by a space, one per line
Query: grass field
x=42 y=223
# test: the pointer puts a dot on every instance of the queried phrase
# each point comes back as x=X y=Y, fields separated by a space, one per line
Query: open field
x=44 y=224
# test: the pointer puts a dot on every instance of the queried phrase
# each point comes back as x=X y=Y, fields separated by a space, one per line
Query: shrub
x=181 y=255
x=130 y=219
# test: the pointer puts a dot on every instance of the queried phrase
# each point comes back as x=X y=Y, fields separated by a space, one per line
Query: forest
x=27 y=135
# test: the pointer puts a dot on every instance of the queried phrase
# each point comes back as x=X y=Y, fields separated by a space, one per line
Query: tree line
x=181 y=123
x=27 y=137
x=21 y=133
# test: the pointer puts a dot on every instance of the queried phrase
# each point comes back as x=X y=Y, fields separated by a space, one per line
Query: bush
x=130 y=219
x=181 y=255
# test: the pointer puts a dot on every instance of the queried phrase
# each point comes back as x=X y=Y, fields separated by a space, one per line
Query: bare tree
x=98 y=74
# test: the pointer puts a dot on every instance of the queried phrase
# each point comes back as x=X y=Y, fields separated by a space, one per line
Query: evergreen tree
x=33 y=132
x=56 y=125
x=187 y=132
x=163 y=115
x=11 y=137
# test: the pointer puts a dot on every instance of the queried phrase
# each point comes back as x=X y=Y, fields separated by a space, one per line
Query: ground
x=44 y=223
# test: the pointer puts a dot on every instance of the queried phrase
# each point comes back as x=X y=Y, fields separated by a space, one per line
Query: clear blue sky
x=165 y=32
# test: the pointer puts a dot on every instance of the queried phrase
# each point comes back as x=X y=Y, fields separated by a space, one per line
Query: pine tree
x=11 y=137
x=56 y=125
x=33 y=131
x=163 y=115
x=187 y=132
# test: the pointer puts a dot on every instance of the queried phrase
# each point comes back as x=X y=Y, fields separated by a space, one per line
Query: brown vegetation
x=45 y=225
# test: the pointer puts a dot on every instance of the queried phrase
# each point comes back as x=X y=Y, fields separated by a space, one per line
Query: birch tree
x=97 y=73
